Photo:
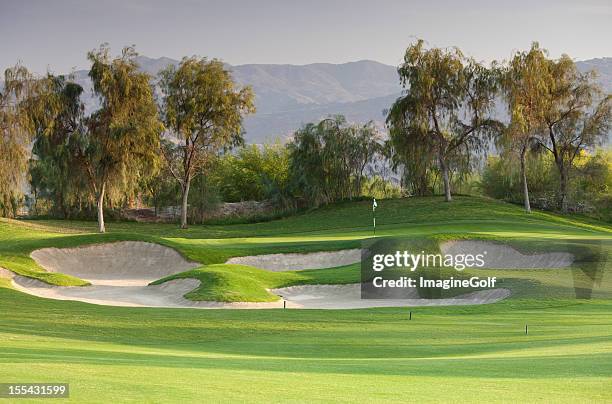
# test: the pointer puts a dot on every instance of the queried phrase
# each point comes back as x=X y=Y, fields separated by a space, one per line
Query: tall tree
x=108 y=151
x=15 y=134
x=203 y=109
x=445 y=105
x=577 y=117
x=524 y=84
x=121 y=144
x=368 y=144
x=55 y=173
x=328 y=159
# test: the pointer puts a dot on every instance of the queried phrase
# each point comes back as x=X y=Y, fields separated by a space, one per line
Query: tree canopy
x=524 y=89
x=203 y=111
x=553 y=107
x=328 y=159
x=577 y=116
x=15 y=134
x=106 y=153
x=445 y=108
x=122 y=138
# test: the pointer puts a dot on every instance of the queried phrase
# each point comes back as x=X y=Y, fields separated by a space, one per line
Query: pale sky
x=56 y=34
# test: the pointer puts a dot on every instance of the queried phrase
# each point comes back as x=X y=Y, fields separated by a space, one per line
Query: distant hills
x=288 y=96
x=603 y=67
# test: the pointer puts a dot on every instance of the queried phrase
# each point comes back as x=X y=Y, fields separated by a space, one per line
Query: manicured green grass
x=444 y=354
x=330 y=228
x=168 y=355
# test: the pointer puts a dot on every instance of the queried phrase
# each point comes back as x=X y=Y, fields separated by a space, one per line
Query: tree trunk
x=101 y=227
x=35 y=207
x=563 y=190
x=359 y=180
x=184 y=203
x=445 y=176
x=524 y=180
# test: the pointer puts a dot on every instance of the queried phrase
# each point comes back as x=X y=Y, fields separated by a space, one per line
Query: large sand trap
x=126 y=263
x=349 y=297
x=500 y=256
x=168 y=294
x=119 y=274
x=296 y=262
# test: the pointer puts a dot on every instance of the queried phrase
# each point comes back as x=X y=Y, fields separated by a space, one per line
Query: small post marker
x=374 y=205
x=410 y=318
x=526 y=329
x=284 y=304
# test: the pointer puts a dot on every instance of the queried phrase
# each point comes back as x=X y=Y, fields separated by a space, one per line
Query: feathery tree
x=253 y=172
x=307 y=170
x=58 y=122
x=121 y=144
x=162 y=189
x=442 y=87
x=576 y=117
x=14 y=136
x=368 y=144
x=203 y=110
x=328 y=159
x=524 y=89
x=414 y=160
x=112 y=149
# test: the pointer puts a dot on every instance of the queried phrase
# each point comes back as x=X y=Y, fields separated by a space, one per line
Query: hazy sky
x=56 y=34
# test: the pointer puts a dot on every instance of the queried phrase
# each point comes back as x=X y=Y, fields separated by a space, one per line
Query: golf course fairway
x=437 y=354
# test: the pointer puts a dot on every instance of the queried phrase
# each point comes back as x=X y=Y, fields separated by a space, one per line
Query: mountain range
x=288 y=96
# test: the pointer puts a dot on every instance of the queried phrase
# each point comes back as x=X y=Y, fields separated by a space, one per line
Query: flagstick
x=374 y=205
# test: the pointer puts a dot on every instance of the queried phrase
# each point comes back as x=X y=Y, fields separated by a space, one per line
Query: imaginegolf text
x=407 y=282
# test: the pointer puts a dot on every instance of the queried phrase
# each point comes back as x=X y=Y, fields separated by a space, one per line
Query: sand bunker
x=6 y=274
x=169 y=294
x=500 y=256
x=349 y=297
x=296 y=262
x=119 y=274
x=126 y=263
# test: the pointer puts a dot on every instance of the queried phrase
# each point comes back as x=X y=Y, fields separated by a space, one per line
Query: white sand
x=500 y=256
x=6 y=274
x=296 y=262
x=349 y=297
x=168 y=294
x=125 y=263
x=120 y=274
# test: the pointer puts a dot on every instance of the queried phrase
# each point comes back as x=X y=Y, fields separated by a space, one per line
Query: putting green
x=165 y=355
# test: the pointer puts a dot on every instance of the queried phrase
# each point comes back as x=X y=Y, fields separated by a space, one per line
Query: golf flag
x=374 y=205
